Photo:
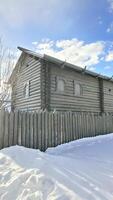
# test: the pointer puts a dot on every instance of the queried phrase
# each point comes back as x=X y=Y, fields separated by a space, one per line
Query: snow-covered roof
x=60 y=62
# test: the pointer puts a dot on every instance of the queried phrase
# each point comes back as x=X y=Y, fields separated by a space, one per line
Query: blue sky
x=80 y=31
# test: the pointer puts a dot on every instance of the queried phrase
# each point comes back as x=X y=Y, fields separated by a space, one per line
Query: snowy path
x=80 y=170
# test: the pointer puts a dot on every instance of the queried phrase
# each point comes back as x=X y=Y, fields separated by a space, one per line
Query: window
x=60 y=85
x=77 y=89
x=26 y=90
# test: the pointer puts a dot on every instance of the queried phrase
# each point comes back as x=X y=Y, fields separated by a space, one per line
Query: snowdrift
x=79 y=170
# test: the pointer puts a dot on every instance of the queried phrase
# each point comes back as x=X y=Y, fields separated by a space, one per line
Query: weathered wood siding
x=89 y=101
x=97 y=93
x=108 y=96
x=29 y=71
x=45 y=86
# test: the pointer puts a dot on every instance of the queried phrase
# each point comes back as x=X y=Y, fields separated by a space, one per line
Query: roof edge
x=61 y=62
x=30 y=52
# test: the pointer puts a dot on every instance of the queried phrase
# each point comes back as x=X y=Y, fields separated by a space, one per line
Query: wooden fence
x=44 y=129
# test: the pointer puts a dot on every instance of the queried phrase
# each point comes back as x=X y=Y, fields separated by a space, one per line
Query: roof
x=60 y=62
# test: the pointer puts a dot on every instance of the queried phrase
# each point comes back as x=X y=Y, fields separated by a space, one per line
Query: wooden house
x=44 y=82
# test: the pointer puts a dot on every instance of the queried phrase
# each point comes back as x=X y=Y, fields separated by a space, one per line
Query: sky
x=78 y=31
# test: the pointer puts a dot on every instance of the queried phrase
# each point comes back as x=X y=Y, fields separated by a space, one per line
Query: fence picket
x=20 y=128
x=1 y=135
x=31 y=135
x=27 y=130
x=6 y=131
x=59 y=129
x=15 y=128
x=49 y=130
x=45 y=129
x=23 y=138
x=56 y=128
x=2 y=125
x=11 y=128
x=35 y=125
x=52 y=129
x=42 y=130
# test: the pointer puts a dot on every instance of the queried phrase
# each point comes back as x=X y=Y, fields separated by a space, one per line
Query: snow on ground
x=79 y=170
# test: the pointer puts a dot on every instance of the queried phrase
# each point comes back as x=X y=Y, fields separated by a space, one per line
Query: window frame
x=81 y=89
x=26 y=89
x=58 y=78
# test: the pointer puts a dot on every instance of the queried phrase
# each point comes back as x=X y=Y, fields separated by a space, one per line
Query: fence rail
x=44 y=129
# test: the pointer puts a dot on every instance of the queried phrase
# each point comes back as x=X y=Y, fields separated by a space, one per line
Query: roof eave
x=59 y=62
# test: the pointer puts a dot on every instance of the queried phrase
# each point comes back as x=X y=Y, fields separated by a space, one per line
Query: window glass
x=77 y=89
x=26 y=90
x=60 y=85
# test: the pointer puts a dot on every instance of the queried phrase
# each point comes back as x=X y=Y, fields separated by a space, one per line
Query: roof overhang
x=54 y=60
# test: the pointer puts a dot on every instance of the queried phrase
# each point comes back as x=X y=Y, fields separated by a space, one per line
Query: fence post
x=15 y=139
x=49 y=130
x=19 y=128
x=59 y=129
x=11 y=128
x=24 y=125
x=6 y=129
x=43 y=130
x=35 y=124
x=31 y=130
x=56 y=128
x=46 y=130
x=2 y=126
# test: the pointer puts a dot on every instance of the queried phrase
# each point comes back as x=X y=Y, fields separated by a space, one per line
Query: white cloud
x=17 y=13
x=109 y=57
x=73 y=51
x=110 y=28
x=108 y=67
x=110 y=5
x=100 y=21
x=34 y=43
x=92 y=68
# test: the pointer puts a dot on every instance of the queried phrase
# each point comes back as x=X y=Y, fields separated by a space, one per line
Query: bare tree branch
x=7 y=61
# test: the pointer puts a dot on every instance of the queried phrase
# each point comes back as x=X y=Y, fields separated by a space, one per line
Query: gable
x=27 y=73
